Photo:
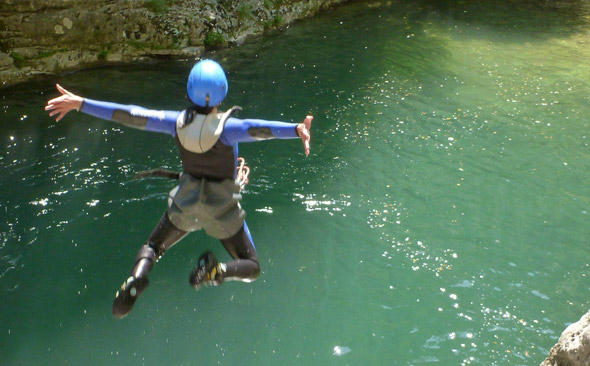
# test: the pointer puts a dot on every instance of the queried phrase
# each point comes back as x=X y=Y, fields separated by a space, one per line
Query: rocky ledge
x=52 y=36
x=573 y=347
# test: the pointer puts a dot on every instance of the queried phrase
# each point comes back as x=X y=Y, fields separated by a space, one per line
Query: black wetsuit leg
x=245 y=266
x=164 y=236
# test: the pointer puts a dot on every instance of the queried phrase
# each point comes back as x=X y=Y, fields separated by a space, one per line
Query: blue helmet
x=207 y=84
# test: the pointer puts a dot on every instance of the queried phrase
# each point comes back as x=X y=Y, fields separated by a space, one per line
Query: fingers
x=307 y=121
x=62 y=90
x=303 y=131
x=60 y=113
x=52 y=104
x=63 y=104
x=305 y=137
x=56 y=107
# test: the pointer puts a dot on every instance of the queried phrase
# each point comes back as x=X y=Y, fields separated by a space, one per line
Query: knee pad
x=144 y=262
x=147 y=252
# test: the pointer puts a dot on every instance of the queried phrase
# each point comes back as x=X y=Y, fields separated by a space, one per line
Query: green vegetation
x=46 y=54
x=276 y=3
x=158 y=6
x=276 y=22
x=244 y=12
x=18 y=59
x=214 y=39
x=102 y=55
x=137 y=44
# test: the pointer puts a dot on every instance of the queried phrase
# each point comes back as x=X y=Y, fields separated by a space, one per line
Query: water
x=441 y=218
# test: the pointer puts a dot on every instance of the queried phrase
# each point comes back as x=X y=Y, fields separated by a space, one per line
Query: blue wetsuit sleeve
x=133 y=116
x=249 y=130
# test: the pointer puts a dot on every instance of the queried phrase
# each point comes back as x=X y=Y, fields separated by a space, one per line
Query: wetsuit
x=206 y=177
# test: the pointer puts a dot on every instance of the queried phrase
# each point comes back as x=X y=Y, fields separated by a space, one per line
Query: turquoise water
x=442 y=217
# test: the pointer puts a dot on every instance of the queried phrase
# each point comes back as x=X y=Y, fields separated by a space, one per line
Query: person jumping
x=207 y=195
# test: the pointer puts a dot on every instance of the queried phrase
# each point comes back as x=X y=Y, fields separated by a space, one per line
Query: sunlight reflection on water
x=445 y=201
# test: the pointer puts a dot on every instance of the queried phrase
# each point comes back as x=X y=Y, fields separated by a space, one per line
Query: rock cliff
x=573 y=347
x=51 y=36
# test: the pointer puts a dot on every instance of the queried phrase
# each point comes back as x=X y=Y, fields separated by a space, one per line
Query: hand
x=63 y=104
x=303 y=130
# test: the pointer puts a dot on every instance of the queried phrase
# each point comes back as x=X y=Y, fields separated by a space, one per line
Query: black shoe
x=207 y=273
x=125 y=298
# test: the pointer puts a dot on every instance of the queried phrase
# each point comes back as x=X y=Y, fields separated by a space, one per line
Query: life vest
x=203 y=155
x=203 y=132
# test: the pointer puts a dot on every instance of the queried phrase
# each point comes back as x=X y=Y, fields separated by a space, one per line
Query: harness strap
x=242 y=173
x=163 y=173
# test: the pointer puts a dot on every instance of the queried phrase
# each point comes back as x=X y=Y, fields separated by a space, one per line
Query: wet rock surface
x=573 y=347
x=51 y=36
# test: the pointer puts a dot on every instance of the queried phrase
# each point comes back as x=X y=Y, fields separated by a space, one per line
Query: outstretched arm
x=249 y=130
x=128 y=115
